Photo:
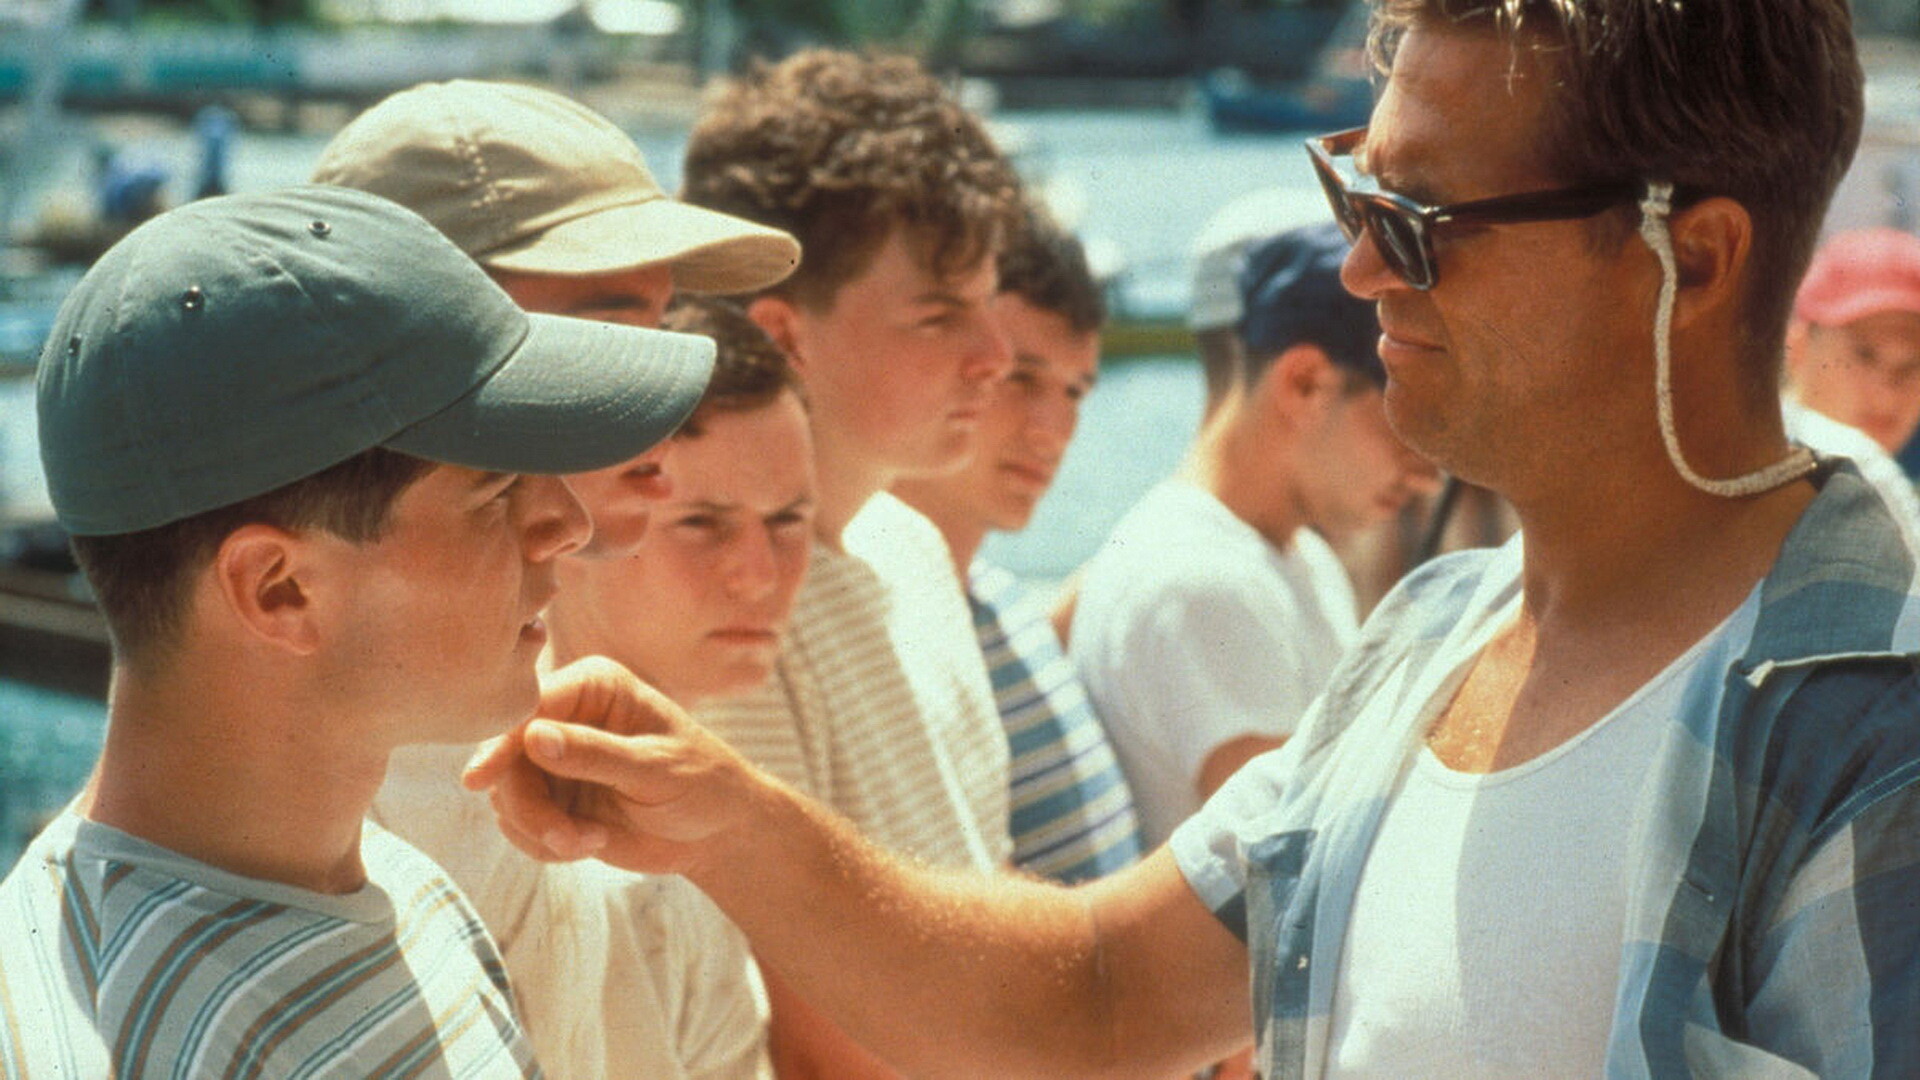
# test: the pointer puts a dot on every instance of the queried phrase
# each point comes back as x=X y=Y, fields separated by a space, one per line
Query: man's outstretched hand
x=610 y=768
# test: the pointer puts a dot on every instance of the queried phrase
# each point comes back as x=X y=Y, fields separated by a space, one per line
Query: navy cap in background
x=1290 y=287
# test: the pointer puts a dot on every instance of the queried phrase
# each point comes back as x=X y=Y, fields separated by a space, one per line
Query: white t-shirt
x=1462 y=956
x=1191 y=629
x=1824 y=434
x=879 y=705
x=617 y=974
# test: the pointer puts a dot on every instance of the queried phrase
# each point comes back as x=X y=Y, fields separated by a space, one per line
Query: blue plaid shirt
x=1773 y=921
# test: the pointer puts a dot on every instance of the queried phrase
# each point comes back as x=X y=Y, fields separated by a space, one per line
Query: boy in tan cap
x=558 y=205
x=617 y=974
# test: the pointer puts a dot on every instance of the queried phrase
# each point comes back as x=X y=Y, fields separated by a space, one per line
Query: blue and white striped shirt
x=1072 y=812
x=120 y=958
x=1773 y=913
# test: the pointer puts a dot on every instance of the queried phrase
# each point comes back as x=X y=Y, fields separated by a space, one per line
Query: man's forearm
x=942 y=973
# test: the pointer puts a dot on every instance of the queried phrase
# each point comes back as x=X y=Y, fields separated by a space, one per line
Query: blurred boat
x=1235 y=104
x=1336 y=94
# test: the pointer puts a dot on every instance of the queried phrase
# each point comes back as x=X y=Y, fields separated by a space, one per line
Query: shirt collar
x=1843 y=585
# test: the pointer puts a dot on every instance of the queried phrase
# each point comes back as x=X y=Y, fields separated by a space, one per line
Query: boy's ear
x=262 y=573
x=780 y=319
x=1299 y=380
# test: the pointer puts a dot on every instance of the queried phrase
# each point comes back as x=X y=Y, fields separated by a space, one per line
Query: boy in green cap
x=308 y=455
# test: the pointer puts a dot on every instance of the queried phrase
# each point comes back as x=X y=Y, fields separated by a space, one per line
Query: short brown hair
x=1757 y=100
x=1045 y=265
x=749 y=370
x=141 y=579
x=839 y=149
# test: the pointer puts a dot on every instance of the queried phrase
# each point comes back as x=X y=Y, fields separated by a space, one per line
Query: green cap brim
x=614 y=390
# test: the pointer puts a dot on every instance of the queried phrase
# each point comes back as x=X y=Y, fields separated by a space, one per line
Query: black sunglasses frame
x=1403 y=229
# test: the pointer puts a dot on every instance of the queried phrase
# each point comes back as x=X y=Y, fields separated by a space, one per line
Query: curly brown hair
x=1758 y=100
x=839 y=149
x=749 y=370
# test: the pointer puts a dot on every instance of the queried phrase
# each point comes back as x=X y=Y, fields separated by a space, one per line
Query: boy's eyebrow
x=705 y=506
x=708 y=506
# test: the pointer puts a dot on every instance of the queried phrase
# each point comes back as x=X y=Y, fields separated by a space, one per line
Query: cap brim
x=709 y=251
x=1842 y=307
x=574 y=396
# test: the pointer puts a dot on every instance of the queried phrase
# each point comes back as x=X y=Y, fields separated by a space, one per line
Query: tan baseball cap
x=524 y=179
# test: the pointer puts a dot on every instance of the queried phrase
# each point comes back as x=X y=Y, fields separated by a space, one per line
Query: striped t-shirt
x=121 y=958
x=879 y=705
x=1073 y=814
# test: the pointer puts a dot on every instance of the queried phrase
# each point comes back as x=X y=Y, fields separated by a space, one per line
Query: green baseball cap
x=235 y=345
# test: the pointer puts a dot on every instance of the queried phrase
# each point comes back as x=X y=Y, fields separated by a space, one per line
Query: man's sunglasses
x=1403 y=229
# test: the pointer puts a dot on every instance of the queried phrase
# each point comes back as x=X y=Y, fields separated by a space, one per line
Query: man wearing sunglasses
x=1637 y=796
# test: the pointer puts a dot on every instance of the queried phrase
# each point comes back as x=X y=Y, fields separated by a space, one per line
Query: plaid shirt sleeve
x=1831 y=972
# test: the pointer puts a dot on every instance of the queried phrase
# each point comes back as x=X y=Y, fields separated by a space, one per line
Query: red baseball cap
x=1861 y=273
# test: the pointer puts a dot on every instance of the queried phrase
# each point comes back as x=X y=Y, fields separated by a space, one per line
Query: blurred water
x=48 y=743
x=1140 y=183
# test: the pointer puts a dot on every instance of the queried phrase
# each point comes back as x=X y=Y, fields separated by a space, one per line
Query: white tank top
x=1485 y=939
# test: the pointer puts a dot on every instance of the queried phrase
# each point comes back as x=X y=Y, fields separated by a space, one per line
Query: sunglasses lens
x=1398 y=239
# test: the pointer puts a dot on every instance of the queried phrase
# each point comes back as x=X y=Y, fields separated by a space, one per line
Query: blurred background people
x=1852 y=370
x=1216 y=610
x=1853 y=346
x=1072 y=812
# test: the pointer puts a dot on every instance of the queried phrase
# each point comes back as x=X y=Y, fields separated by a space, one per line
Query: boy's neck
x=233 y=785
x=845 y=480
x=1230 y=461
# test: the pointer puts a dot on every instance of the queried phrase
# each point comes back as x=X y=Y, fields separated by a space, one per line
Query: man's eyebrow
x=1408 y=186
x=1394 y=181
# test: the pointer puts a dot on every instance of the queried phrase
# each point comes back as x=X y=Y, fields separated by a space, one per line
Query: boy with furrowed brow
x=306 y=451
